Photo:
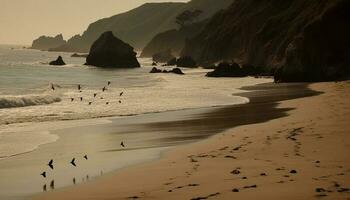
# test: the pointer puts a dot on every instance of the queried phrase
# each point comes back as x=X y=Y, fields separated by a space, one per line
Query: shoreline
x=99 y=186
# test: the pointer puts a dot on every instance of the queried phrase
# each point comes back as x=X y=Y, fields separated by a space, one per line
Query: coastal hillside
x=304 y=40
x=140 y=25
x=173 y=39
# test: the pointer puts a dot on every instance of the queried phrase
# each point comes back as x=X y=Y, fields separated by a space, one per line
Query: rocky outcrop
x=227 y=70
x=109 y=51
x=58 y=61
x=174 y=70
x=172 y=39
x=44 y=43
x=163 y=56
x=300 y=40
x=186 y=61
x=76 y=55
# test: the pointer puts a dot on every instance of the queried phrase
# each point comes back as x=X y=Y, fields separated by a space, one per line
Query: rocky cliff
x=45 y=42
x=140 y=25
x=304 y=40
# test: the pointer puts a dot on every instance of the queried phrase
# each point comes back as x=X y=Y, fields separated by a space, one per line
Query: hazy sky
x=23 y=20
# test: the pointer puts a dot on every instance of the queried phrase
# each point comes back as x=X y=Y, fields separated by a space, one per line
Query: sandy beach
x=302 y=154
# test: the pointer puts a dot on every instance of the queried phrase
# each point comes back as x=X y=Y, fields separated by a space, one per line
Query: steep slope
x=140 y=25
x=306 y=40
x=173 y=39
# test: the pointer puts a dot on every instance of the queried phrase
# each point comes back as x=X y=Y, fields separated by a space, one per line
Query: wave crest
x=23 y=101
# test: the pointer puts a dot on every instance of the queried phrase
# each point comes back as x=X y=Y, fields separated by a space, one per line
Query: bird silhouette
x=52 y=87
x=122 y=144
x=74 y=181
x=101 y=97
x=50 y=164
x=104 y=89
x=73 y=162
x=86 y=157
x=121 y=94
x=90 y=103
x=109 y=82
x=120 y=101
x=95 y=95
x=52 y=184
x=71 y=99
x=43 y=174
x=44 y=188
x=107 y=103
x=81 y=98
x=79 y=87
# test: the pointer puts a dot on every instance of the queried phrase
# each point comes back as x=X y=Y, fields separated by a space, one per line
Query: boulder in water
x=177 y=71
x=155 y=70
x=58 y=61
x=109 y=51
x=225 y=69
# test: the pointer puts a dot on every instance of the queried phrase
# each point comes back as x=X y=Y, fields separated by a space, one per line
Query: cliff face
x=173 y=39
x=140 y=25
x=307 y=40
x=45 y=43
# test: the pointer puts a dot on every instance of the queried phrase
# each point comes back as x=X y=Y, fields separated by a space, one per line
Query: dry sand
x=258 y=160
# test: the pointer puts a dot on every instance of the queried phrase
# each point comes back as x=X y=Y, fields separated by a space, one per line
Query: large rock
x=227 y=70
x=163 y=56
x=303 y=40
x=174 y=70
x=58 y=61
x=44 y=43
x=186 y=61
x=109 y=51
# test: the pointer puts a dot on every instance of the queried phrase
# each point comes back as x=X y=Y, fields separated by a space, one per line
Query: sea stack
x=111 y=52
x=58 y=61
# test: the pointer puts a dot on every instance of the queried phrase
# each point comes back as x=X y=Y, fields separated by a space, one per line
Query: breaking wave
x=30 y=100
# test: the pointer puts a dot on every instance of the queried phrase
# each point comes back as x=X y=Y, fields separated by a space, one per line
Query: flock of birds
x=95 y=94
x=73 y=161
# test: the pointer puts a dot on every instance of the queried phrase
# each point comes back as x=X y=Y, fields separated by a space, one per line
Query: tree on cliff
x=187 y=17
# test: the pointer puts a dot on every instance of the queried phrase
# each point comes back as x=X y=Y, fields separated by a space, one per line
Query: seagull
x=107 y=103
x=90 y=103
x=73 y=162
x=44 y=188
x=86 y=157
x=81 y=98
x=52 y=87
x=120 y=101
x=50 y=164
x=101 y=97
x=74 y=181
x=71 y=99
x=43 y=174
x=52 y=184
x=79 y=87
x=109 y=82
x=122 y=144
x=104 y=89
x=95 y=95
x=121 y=94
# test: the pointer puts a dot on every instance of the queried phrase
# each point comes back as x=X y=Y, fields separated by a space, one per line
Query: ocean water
x=26 y=95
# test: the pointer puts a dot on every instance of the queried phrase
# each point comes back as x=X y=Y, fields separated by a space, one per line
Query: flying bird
x=43 y=174
x=104 y=89
x=52 y=87
x=52 y=184
x=81 y=98
x=90 y=103
x=95 y=95
x=71 y=99
x=74 y=181
x=50 y=164
x=73 y=162
x=122 y=144
x=121 y=94
x=107 y=103
x=79 y=87
x=44 y=188
x=120 y=101
x=86 y=157
x=109 y=82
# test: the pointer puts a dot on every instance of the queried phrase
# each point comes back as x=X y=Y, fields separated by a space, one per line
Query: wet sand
x=297 y=148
